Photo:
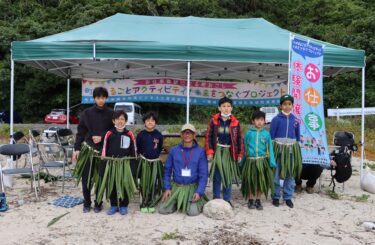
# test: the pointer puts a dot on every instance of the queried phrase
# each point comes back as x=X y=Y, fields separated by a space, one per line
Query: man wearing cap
x=185 y=176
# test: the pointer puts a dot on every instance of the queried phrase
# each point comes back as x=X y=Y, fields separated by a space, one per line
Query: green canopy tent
x=130 y=46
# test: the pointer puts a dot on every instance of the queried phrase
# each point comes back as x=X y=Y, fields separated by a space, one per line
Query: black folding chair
x=15 y=150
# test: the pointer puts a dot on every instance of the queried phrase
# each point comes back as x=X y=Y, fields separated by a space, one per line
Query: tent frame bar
x=362 y=143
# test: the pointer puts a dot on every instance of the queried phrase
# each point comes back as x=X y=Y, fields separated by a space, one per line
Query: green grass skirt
x=229 y=170
x=182 y=195
x=90 y=156
x=257 y=175
x=151 y=180
x=290 y=158
x=117 y=174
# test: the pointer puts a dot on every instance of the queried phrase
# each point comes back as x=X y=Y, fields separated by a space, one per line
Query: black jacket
x=94 y=121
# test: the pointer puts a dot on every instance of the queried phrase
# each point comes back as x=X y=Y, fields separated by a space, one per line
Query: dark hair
x=258 y=114
x=225 y=100
x=100 y=92
x=150 y=114
x=119 y=113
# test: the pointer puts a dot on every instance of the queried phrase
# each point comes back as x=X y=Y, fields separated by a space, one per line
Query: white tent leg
x=188 y=93
x=363 y=122
x=11 y=99
x=67 y=102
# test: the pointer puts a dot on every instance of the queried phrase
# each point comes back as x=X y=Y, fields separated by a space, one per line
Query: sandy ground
x=315 y=219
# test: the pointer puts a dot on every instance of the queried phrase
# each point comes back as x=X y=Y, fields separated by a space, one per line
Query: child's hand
x=166 y=194
x=196 y=197
x=333 y=163
x=209 y=157
x=96 y=139
x=239 y=159
x=75 y=155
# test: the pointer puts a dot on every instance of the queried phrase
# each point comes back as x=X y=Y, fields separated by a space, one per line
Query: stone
x=218 y=209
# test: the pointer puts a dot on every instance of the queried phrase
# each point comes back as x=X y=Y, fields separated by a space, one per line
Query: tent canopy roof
x=122 y=46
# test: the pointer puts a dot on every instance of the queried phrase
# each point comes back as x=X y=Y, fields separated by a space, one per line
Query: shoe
x=151 y=210
x=112 y=210
x=298 y=188
x=97 y=209
x=275 y=202
x=230 y=203
x=258 y=205
x=250 y=204
x=310 y=190
x=289 y=203
x=144 y=210
x=86 y=209
x=123 y=210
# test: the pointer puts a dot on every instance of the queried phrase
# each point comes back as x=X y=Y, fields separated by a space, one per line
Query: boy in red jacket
x=224 y=146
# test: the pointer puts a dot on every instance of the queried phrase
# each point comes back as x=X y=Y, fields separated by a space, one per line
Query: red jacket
x=235 y=132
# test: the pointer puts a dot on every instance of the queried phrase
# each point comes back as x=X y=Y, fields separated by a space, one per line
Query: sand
x=315 y=219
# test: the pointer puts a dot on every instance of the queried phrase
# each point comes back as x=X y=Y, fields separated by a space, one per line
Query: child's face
x=287 y=106
x=225 y=108
x=119 y=122
x=259 y=122
x=150 y=123
x=100 y=101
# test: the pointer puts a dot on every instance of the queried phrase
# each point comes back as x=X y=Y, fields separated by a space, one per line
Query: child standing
x=285 y=131
x=115 y=172
x=150 y=169
x=95 y=122
x=257 y=175
x=224 y=145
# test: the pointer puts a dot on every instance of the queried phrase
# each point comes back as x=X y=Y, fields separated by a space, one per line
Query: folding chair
x=65 y=138
x=34 y=139
x=18 y=138
x=53 y=156
x=18 y=149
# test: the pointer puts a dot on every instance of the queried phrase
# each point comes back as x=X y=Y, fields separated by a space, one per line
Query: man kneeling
x=188 y=163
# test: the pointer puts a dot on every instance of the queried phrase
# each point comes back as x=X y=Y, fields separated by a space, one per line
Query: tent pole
x=11 y=98
x=289 y=59
x=188 y=93
x=68 y=102
x=363 y=122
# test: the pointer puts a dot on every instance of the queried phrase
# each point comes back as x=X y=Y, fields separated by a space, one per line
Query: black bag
x=343 y=138
x=343 y=168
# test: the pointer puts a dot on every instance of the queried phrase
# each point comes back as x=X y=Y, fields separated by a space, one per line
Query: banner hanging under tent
x=173 y=90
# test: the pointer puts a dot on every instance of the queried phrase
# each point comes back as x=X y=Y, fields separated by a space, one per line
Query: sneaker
x=151 y=210
x=289 y=203
x=258 y=205
x=310 y=190
x=97 y=209
x=250 y=204
x=275 y=202
x=230 y=203
x=298 y=188
x=144 y=210
x=112 y=210
x=123 y=210
x=86 y=209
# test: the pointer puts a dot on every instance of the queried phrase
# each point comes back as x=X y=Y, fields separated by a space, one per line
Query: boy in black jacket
x=94 y=123
x=119 y=144
x=149 y=146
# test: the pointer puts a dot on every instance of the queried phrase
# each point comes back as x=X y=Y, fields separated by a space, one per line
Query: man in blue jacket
x=185 y=176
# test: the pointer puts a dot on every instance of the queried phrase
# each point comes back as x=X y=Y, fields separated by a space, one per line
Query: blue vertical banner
x=306 y=86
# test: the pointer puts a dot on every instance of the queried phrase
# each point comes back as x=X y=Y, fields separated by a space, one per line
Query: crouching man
x=187 y=163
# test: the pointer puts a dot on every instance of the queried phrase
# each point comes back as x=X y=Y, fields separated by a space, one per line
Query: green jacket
x=258 y=143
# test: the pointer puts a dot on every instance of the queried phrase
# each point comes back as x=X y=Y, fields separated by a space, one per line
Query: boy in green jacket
x=257 y=175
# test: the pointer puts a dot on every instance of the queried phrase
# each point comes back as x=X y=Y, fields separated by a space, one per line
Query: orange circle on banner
x=312 y=96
